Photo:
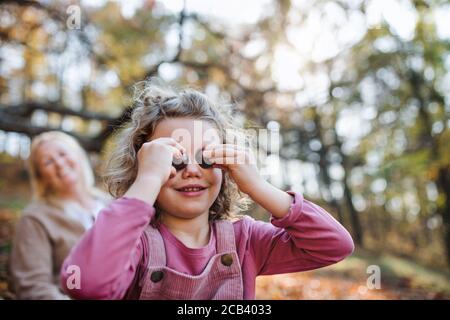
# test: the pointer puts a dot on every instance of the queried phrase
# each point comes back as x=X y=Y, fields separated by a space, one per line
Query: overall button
x=227 y=260
x=157 y=276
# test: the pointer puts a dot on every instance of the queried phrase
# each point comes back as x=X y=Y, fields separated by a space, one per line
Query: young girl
x=171 y=233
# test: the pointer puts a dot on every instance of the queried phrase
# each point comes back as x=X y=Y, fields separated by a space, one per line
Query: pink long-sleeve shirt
x=112 y=256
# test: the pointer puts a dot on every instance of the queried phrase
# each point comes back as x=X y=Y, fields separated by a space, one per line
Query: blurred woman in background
x=65 y=204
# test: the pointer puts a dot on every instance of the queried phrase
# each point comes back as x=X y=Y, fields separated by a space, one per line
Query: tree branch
x=26 y=109
x=18 y=124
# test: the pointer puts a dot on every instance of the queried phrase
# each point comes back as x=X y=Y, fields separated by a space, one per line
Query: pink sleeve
x=306 y=238
x=109 y=254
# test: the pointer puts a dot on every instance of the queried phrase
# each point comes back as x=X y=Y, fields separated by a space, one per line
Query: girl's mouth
x=192 y=191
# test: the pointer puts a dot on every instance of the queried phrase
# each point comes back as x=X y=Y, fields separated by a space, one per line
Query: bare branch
x=18 y=124
x=27 y=109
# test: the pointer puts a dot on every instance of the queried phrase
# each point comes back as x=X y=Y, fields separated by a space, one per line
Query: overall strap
x=156 y=248
x=225 y=240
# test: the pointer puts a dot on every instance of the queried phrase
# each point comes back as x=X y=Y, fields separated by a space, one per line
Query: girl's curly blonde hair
x=153 y=102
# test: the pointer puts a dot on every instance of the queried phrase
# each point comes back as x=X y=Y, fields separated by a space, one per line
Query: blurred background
x=359 y=92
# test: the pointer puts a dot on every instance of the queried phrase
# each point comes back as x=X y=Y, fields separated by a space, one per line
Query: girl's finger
x=241 y=155
x=173 y=143
x=232 y=157
x=224 y=160
x=176 y=152
x=225 y=145
x=222 y=150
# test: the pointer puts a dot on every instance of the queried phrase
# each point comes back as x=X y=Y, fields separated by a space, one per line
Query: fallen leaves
x=312 y=286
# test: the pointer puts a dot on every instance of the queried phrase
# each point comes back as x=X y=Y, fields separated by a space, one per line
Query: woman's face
x=58 y=167
x=193 y=135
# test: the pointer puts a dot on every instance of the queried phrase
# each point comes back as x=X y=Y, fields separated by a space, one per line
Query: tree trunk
x=444 y=186
x=428 y=140
x=324 y=165
x=354 y=219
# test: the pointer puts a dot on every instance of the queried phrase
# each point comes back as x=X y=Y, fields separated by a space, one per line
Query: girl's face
x=194 y=135
x=57 y=166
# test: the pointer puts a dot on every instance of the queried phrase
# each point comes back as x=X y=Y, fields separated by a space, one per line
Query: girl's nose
x=192 y=170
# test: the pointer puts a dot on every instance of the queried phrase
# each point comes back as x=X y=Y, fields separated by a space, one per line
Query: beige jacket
x=44 y=237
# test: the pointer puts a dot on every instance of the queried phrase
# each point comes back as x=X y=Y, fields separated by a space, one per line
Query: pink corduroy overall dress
x=220 y=280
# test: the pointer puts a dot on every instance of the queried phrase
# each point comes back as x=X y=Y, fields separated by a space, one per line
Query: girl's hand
x=238 y=161
x=155 y=159
x=241 y=165
x=154 y=168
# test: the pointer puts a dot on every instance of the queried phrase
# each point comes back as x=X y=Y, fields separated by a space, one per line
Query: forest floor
x=401 y=279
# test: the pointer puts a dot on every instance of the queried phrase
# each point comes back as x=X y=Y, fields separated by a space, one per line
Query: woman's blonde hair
x=40 y=190
x=153 y=102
